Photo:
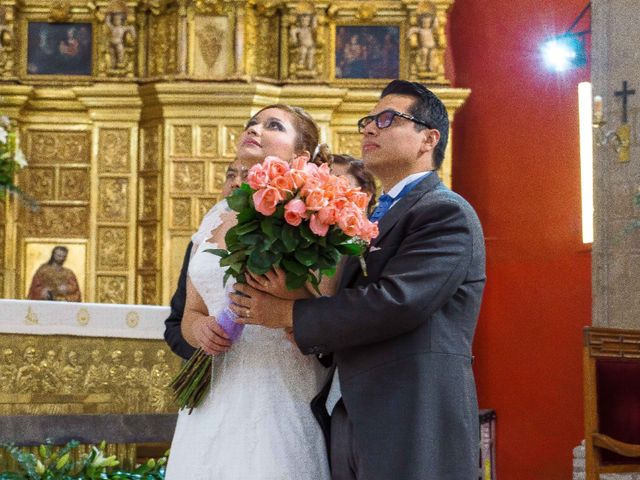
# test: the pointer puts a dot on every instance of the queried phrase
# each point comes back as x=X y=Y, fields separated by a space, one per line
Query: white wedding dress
x=255 y=423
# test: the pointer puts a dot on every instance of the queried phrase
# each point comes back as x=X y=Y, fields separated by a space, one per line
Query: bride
x=255 y=422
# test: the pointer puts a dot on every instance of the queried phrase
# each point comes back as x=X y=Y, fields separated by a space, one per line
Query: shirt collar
x=397 y=188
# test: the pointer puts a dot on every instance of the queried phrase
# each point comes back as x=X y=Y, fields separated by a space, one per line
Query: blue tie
x=384 y=203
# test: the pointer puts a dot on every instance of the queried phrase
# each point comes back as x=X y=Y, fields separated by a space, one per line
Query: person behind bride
x=255 y=422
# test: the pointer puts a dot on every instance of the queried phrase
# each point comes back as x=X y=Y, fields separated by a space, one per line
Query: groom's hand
x=259 y=308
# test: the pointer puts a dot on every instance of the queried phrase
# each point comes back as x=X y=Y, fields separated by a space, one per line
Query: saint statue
x=52 y=281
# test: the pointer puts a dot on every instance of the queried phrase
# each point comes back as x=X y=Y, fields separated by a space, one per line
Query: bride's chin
x=252 y=155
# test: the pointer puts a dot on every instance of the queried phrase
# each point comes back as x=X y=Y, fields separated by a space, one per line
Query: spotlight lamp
x=566 y=51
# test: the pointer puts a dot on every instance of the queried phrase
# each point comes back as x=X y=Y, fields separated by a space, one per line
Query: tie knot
x=384 y=199
x=384 y=202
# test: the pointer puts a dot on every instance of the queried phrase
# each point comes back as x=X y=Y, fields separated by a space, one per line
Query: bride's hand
x=210 y=336
x=274 y=283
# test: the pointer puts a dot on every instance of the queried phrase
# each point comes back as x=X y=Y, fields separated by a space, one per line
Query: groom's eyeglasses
x=385 y=118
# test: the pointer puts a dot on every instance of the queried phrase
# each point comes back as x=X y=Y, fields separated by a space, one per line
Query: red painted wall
x=517 y=161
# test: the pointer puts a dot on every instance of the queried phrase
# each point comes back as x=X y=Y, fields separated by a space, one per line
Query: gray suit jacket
x=401 y=338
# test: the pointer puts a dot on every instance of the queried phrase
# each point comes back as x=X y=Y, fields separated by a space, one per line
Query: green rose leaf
x=308 y=257
x=289 y=238
x=244 y=228
x=350 y=248
x=291 y=266
x=293 y=281
x=239 y=199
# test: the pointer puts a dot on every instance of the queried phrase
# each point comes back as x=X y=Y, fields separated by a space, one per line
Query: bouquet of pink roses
x=298 y=217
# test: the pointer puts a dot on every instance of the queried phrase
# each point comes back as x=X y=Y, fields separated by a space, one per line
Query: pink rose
x=351 y=221
x=275 y=167
x=315 y=200
x=311 y=169
x=317 y=226
x=266 y=200
x=257 y=177
x=369 y=231
x=328 y=215
x=284 y=184
x=299 y=163
x=311 y=183
x=298 y=177
x=295 y=211
x=360 y=199
x=324 y=173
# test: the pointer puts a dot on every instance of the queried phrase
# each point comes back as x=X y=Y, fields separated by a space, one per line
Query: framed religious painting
x=366 y=53
x=59 y=49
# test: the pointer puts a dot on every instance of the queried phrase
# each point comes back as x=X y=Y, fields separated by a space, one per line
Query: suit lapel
x=387 y=222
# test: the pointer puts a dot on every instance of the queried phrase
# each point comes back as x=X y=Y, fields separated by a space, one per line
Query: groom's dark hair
x=428 y=108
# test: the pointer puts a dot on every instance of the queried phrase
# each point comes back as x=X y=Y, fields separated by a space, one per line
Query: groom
x=401 y=337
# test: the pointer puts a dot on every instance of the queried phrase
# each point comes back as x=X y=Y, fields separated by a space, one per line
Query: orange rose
x=360 y=199
x=328 y=215
x=315 y=200
x=369 y=231
x=266 y=200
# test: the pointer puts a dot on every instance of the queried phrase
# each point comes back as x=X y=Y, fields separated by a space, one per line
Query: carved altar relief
x=113 y=150
x=57 y=221
x=112 y=248
x=112 y=289
x=58 y=146
x=208 y=141
x=113 y=199
x=74 y=183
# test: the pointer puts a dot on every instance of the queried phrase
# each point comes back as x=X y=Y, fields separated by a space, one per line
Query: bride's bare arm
x=199 y=328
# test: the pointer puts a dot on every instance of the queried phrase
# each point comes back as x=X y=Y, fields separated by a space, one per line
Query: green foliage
x=11 y=161
x=58 y=464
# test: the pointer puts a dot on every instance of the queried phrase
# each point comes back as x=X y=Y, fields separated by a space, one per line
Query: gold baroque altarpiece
x=128 y=150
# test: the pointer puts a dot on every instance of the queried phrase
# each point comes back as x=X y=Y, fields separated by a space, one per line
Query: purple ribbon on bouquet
x=227 y=320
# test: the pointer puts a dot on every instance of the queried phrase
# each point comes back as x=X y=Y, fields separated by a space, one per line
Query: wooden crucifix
x=624 y=93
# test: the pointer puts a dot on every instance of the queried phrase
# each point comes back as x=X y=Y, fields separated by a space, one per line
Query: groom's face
x=236 y=175
x=397 y=146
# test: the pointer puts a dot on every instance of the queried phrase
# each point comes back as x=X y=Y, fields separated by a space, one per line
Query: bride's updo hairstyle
x=307 y=133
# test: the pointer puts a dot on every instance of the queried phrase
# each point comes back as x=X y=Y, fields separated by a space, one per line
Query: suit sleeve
x=430 y=263
x=172 y=333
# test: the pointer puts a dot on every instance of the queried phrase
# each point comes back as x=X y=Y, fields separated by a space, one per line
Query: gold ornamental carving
x=366 y=12
x=59 y=147
x=163 y=39
x=113 y=150
x=39 y=182
x=148 y=290
x=40 y=374
x=117 y=52
x=74 y=183
x=60 y=11
x=181 y=213
x=232 y=135
x=112 y=289
x=427 y=42
x=112 y=248
x=266 y=49
x=114 y=193
x=188 y=177
x=151 y=145
x=182 y=140
x=219 y=175
x=148 y=209
x=306 y=42
x=57 y=221
x=7 y=26
x=1 y=247
x=83 y=317
x=30 y=318
x=208 y=146
x=349 y=143
x=148 y=246
x=133 y=319
x=204 y=205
